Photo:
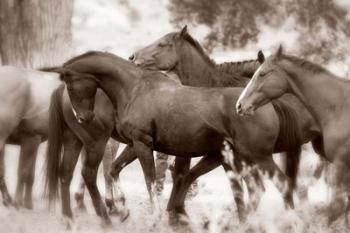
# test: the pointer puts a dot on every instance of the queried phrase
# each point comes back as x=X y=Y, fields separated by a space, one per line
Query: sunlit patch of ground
x=212 y=210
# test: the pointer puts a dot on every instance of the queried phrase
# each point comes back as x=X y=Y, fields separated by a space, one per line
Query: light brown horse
x=324 y=95
x=24 y=102
x=156 y=113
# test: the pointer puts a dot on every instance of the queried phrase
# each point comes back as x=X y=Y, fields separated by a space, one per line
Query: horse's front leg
x=72 y=147
x=181 y=168
x=7 y=200
x=176 y=206
x=93 y=159
x=145 y=155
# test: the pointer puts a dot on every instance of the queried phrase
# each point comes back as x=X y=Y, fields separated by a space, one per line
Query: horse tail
x=54 y=145
x=289 y=138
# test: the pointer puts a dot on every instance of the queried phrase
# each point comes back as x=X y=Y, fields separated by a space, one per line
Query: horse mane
x=227 y=78
x=48 y=68
x=245 y=68
x=310 y=66
x=88 y=54
x=199 y=48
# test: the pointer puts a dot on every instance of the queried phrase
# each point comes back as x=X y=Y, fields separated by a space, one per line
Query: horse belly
x=190 y=145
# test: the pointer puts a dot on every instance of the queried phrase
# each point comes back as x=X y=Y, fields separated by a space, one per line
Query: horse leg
x=255 y=187
x=341 y=190
x=237 y=190
x=109 y=189
x=3 y=187
x=145 y=155
x=26 y=170
x=125 y=158
x=317 y=145
x=92 y=161
x=180 y=170
x=72 y=147
x=176 y=204
x=161 y=167
x=79 y=194
x=267 y=164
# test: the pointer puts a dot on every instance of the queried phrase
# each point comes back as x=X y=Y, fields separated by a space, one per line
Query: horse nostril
x=81 y=120
x=132 y=57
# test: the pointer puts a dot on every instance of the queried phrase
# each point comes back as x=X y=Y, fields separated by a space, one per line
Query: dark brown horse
x=156 y=113
x=323 y=94
x=72 y=135
x=180 y=53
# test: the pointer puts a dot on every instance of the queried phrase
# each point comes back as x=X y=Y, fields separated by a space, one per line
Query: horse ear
x=65 y=74
x=261 y=57
x=183 y=31
x=60 y=70
x=279 y=51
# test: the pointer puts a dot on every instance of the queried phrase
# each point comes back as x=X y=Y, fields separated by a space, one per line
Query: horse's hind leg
x=161 y=167
x=3 y=187
x=126 y=157
x=72 y=147
x=26 y=171
x=176 y=205
x=236 y=187
x=92 y=161
x=268 y=165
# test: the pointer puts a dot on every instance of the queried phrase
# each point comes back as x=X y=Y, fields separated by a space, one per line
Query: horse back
x=14 y=95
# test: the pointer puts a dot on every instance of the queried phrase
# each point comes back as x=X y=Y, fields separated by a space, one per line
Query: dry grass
x=212 y=210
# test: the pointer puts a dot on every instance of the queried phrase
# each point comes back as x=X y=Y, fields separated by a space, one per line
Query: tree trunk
x=35 y=33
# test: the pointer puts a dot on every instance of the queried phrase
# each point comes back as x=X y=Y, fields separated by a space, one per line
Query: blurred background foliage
x=323 y=26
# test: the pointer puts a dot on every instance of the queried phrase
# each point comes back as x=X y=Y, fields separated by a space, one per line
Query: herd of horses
x=97 y=99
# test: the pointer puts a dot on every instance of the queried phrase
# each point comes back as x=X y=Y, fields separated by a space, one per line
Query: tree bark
x=35 y=33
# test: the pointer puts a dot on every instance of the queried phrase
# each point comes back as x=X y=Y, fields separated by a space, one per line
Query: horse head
x=81 y=89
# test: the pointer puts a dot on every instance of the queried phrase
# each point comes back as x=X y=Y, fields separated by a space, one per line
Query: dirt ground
x=212 y=210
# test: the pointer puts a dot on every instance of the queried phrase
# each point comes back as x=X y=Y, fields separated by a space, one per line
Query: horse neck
x=321 y=92
x=243 y=68
x=117 y=79
x=193 y=69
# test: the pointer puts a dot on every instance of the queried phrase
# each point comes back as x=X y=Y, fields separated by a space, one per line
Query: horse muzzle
x=85 y=118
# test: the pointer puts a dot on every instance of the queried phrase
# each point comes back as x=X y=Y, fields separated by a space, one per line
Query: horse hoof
x=106 y=223
x=178 y=218
x=28 y=205
x=113 y=211
x=7 y=202
x=125 y=215
x=17 y=204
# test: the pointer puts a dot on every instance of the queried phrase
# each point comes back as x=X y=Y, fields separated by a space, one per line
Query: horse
x=323 y=94
x=24 y=122
x=69 y=132
x=154 y=112
x=180 y=53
